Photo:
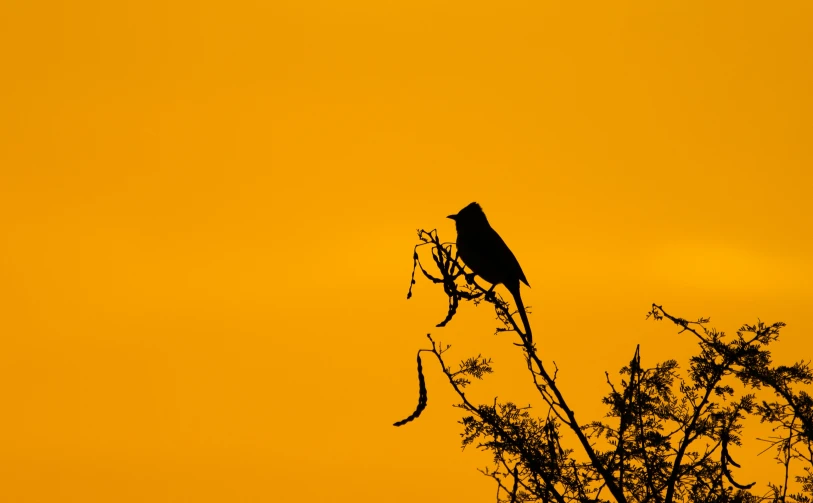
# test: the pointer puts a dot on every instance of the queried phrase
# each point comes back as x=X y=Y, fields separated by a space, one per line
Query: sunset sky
x=210 y=207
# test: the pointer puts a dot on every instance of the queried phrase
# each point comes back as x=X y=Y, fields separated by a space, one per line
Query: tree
x=666 y=436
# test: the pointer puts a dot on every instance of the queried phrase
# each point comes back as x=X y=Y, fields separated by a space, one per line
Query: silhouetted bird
x=487 y=255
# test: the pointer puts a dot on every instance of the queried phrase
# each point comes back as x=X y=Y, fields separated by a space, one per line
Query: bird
x=487 y=255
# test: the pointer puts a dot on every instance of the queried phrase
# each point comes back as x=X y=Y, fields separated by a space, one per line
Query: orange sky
x=210 y=208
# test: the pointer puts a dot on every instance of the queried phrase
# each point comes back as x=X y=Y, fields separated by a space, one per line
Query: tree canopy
x=667 y=434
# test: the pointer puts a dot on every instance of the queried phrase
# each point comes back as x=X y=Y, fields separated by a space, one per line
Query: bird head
x=471 y=216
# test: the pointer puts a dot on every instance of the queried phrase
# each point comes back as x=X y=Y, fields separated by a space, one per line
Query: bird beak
x=453 y=217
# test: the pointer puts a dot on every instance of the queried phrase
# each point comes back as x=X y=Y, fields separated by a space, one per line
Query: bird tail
x=514 y=289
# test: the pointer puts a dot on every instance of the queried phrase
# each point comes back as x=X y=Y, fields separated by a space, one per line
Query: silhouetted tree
x=666 y=437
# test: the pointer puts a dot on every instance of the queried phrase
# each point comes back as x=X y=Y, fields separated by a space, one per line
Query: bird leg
x=469 y=278
x=490 y=293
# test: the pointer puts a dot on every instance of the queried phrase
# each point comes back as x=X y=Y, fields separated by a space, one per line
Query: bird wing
x=512 y=264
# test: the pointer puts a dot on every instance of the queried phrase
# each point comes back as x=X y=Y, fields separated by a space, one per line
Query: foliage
x=666 y=437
